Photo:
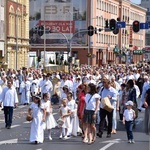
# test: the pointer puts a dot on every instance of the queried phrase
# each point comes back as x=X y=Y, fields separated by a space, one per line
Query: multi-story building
x=77 y=16
x=2 y=30
x=146 y=4
x=17 y=30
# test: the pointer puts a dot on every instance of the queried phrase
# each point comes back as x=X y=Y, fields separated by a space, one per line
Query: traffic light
x=90 y=30
x=116 y=31
x=112 y=24
x=70 y=59
x=62 y=57
x=39 y=58
x=41 y=30
x=106 y=24
x=136 y=26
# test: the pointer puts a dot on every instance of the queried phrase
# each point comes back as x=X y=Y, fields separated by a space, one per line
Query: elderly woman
x=92 y=101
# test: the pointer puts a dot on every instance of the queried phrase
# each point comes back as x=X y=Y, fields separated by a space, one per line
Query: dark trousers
x=103 y=114
x=8 y=112
x=129 y=127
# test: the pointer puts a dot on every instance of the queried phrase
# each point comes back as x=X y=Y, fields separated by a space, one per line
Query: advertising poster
x=61 y=18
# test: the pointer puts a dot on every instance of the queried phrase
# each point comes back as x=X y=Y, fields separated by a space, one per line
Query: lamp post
x=17 y=37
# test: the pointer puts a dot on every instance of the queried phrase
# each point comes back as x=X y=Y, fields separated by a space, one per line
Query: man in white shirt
x=10 y=100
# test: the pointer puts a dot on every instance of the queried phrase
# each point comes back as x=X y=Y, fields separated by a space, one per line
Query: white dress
x=74 y=127
x=36 y=132
x=64 y=111
x=50 y=121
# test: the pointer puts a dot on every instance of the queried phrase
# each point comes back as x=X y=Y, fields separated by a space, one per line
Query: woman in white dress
x=47 y=107
x=38 y=115
x=65 y=113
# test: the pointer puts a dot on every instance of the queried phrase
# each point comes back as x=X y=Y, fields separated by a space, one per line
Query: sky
x=136 y=1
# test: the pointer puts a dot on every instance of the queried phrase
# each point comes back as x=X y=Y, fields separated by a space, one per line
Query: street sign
x=121 y=24
x=137 y=52
x=144 y=26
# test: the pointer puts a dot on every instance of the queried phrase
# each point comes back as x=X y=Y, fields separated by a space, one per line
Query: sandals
x=85 y=141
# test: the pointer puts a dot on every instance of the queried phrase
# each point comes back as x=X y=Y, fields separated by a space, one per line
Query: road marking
x=110 y=143
x=9 y=141
x=107 y=146
x=27 y=122
x=14 y=126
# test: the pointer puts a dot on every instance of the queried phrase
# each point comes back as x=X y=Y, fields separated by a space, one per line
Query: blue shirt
x=109 y=92
x=145 y=88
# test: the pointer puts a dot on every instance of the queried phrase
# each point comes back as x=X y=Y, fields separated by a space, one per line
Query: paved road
x=17 y=138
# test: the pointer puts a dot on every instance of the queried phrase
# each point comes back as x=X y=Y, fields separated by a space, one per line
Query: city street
x=18 y=136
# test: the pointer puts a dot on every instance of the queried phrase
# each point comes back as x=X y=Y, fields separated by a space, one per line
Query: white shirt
x=129 y=114
x=9 y=97
x=91 y=101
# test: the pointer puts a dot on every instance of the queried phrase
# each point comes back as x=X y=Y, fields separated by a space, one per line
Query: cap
x=129 y=103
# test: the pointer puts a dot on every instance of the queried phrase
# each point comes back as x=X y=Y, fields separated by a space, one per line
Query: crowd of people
x=79 y=95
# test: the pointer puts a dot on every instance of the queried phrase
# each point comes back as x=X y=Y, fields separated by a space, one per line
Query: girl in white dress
x=50 y=121
x=74 y=120
x=38 y=115
x=65 y=113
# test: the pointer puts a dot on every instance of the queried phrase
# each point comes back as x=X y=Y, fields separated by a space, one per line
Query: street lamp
x=17 y=37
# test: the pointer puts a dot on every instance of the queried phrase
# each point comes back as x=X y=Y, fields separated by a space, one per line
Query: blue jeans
x=129 y=127
x=8 y=112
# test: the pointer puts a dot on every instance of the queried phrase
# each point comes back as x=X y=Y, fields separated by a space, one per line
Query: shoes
x=66 y=137
x=85 y=140
x=90 y=142
x=50 y=138
x=129 y=141
x=8 y=127
x=5 y=126
x=60 y=136
x=113 y=131
x=132 y=141
x=99 y=135
x=36 y=142
x=108 y=135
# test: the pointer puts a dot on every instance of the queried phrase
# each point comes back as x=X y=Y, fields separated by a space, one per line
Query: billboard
x=61 y=18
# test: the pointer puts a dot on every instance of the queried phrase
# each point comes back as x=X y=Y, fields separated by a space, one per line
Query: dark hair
x=44 y=95
x=123 y=85
x=130 y=83
x=93 y=88
x=39 y=101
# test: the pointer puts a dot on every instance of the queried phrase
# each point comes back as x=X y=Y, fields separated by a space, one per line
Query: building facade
x=146 y=4
x=2 y=31
x=99 y=48
x=17 y=38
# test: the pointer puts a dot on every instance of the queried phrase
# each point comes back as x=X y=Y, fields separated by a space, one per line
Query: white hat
x=129 y=103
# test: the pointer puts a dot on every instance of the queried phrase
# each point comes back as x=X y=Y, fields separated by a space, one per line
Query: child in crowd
x=65 y=112
x=47 y=107
x=128 y=117
x=38 y=115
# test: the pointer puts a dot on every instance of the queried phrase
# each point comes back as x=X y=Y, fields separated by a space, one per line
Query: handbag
x=106 y=104
x=29 y=117
x=60 y=122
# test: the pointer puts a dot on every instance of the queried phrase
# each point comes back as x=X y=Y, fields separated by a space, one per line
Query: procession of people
x=88 y=100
